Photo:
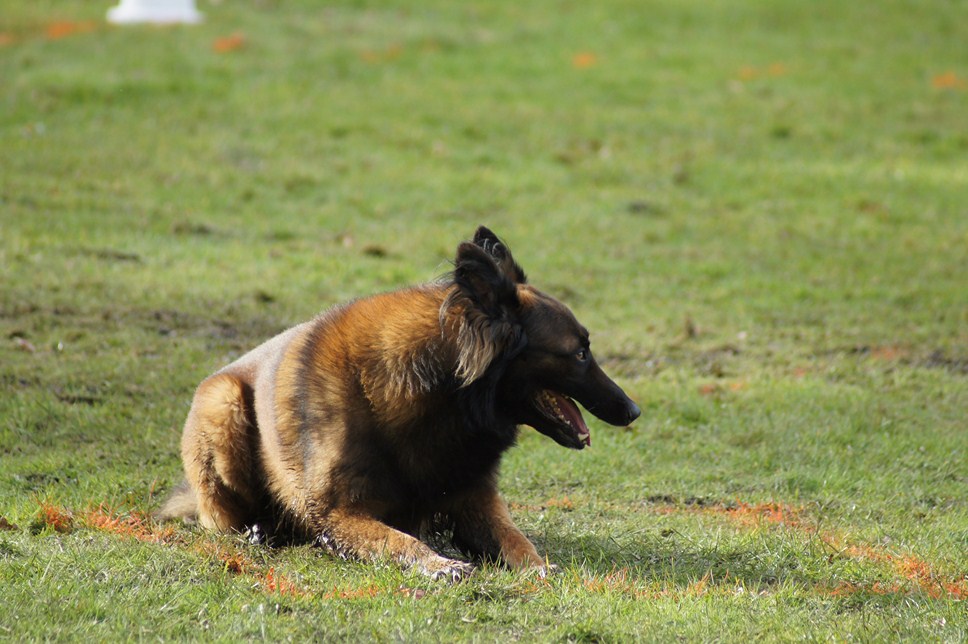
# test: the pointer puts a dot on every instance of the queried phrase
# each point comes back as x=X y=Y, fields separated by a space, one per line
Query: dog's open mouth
x=564 y=413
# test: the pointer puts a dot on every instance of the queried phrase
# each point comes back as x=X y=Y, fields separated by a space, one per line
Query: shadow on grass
x=673 y=559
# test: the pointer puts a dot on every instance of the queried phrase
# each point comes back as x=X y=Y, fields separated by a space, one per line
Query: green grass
x=758 y=208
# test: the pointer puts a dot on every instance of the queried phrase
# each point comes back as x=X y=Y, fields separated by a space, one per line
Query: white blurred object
x=156 y=11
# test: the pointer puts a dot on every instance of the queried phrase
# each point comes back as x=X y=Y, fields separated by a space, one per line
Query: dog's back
x=272 y=423
x=393 y=411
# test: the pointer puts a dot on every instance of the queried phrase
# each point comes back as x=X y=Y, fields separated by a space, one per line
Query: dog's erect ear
x=498 y=250
x=481 y=279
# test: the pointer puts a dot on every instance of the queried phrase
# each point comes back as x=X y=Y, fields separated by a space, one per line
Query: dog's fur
x=388 y=416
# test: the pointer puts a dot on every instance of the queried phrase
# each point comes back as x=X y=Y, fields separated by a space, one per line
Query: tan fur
x=393 y=343
x=218 y=447
x=356 y=426
x=479 y=339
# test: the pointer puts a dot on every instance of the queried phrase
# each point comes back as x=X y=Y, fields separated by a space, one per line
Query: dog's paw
x=445 y=569
x=542 y=571
x=257 y=535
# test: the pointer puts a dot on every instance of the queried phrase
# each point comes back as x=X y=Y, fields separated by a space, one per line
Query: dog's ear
x=499 y=251
x=488 y=328
x=483 y=281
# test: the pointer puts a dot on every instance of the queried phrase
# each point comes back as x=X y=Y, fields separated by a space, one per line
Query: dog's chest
x=436 y=465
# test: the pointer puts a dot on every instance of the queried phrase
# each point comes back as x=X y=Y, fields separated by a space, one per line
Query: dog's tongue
x=570 y=411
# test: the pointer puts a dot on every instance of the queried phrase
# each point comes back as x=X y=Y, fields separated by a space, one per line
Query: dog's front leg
x=356 y=534
x=483 y=527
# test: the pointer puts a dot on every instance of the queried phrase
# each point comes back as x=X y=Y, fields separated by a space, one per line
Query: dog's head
x=528 y=348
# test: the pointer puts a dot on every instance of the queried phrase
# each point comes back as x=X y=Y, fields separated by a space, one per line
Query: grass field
x=760 y=210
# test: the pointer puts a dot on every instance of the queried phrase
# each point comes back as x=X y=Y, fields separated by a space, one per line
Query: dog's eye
x=582 y=355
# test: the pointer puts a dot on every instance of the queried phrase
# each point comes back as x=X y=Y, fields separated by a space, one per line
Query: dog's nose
x=633 y=412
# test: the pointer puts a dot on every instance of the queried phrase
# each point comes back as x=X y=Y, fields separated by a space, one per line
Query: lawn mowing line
x=911 y=568
x=914 y=570
x=619 y=582
x=139 y=526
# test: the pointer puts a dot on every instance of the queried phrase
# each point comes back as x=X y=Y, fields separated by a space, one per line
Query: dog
x=385 y=418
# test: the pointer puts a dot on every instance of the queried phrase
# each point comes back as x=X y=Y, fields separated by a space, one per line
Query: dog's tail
x=182 y=504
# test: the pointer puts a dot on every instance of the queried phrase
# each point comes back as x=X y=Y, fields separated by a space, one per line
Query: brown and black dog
x=388 y=416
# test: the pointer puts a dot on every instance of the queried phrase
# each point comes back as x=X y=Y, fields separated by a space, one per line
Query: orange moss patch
x=776 y=513
x=278 y=583
x=389 y=54
x=915 y=574
x=236 y=563
x=564 y=503
x=54 y=517
x=699 y=587
x=53 y=31
x=584 y=60
x=139 y=526
x=776 y=69
x=229 y=43
x=616 y=581
x=135 y=525
x=918 y=573
x=65 y=28
x=533 y=586
x=847 y=589
x=949 y=80
x=233 y=561
x=745 y=513
x=889 y=353
x=712 y=389
x=773 y=70
x=858 y=551
x=269 y=581
x=956 y=589
x=747 y=72
x=709 y=389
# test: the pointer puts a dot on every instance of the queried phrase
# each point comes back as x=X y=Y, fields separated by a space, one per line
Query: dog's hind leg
x=219 y=451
